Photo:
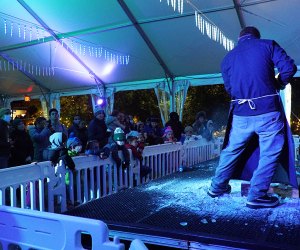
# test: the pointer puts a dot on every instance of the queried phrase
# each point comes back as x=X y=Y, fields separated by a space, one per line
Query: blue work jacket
x=249 y=75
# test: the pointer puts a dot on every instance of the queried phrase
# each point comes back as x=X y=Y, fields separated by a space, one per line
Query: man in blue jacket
x=256 y=112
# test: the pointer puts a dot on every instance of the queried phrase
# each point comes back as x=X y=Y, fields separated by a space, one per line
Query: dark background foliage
x=143 y=103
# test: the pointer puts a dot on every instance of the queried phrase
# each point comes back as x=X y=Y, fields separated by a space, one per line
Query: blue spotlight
x=100 y=102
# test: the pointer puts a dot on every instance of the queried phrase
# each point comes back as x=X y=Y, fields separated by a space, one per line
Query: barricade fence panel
x=27 y=229
x=41 y=186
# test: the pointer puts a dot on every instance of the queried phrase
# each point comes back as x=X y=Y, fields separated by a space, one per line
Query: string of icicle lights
x=203 y=23
x=33 y=69
x=29 y=32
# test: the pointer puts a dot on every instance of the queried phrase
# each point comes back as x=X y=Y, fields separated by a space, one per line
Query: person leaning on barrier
x=256 y=120
x=132 y=143
x=57 y=151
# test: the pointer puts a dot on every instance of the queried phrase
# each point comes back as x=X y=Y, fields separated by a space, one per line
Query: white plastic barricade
x=197 y=151
x=27 y=229
x=218 y=141
x=32 y=186
x=40 y=186
x=137 y=245
x=89 y=180
x=94 y=178
x=163 y=159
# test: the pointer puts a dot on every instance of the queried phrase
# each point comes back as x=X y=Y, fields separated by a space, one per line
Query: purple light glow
x=100 y=101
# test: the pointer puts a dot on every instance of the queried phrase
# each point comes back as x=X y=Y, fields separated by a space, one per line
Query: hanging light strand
x=204 y=24
x=35 y=70
x=29 y=31
x=95 y=51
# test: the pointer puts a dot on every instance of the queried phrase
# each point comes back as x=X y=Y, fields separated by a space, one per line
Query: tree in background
x=139 y=103
x=75 y=105
x=212 y=99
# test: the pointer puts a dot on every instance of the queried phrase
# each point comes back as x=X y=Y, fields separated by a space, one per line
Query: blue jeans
x=270 y=129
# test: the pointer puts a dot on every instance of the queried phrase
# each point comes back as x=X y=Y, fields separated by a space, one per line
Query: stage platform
x=176 y=212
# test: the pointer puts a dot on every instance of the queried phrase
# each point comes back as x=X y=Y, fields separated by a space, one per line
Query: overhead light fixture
x=100 y=102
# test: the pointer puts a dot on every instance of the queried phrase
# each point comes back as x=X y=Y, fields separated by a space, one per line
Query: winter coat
x=40 y=139
x=4 y=139
x=21 y=149
x=97 y=131
x=248 y=73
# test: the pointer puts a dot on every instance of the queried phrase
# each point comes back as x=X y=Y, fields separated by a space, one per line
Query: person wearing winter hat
x=99 y=110
x=74 y=145
x=5 y=142
x=117 y=144
x=97 y=135
x=176 y=125
x=132 y=133
x=57 y=151
x=169 y=135
x=97 y=128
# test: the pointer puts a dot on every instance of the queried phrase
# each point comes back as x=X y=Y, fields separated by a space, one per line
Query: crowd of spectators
x=104 y=135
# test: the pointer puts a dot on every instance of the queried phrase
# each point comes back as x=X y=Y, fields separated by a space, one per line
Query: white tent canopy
x=54 y=48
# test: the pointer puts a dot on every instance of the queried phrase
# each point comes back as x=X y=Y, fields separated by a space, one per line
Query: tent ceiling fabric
x=186 y=52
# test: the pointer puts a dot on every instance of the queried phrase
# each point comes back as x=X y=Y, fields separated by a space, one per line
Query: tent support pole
x=238 y=8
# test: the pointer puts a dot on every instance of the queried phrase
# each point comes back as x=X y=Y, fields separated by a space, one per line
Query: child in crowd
x=141 y=141
x=168 y=136
x=57 y=151
x=118 y=143
x=188 y=135
x=74 y=145
x=133 y=144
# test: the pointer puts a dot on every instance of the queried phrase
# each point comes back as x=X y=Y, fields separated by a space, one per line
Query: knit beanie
x=4 y=111
x=132 y=133
x=98 y=110
x=73 y=141
x=119 y=135
x=168 y=129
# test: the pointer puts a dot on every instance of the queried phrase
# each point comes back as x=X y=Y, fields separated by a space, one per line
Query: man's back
x=248 y=72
